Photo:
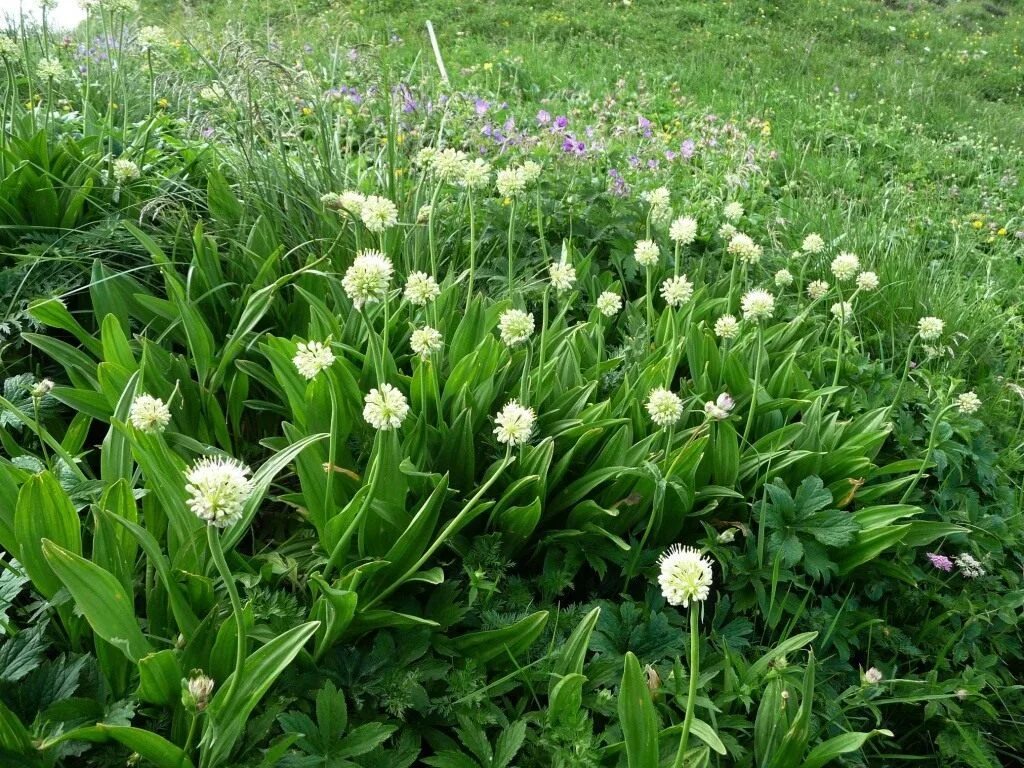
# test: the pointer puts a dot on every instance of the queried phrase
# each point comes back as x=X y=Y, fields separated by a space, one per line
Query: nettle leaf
x=22 y=653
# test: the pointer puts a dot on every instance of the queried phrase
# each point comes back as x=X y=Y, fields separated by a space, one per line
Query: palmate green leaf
x=226 y=717
x=637 y=718
x=101 y=599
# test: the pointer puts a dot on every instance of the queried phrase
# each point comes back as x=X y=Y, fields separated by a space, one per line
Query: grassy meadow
x=623 y=384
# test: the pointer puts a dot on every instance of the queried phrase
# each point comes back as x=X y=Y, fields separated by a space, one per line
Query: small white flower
x=9 y=48
x=813 y=243
x=745 y=248
x=969 y=566
x=683 y=230
x=783 y=278
x=817 y=289
x=124 y=171
x=42 y=388
x=646 y=253
x=510 y=182
x=842 y=310
x=720 y=408
x=200 y=688
x=968 y=402
x=726 y=231
x=657 y=198
x=685 y=575
x=311 y=358
x=367 y=280
x=426 y=341
x=515 y=326
x=609 y=304
x=530 y=171
x=423 y=215
x=476 y=174
x=728 y=536
x=152 y=37
x=757 y=304
x=218 y=488
x=421 y=289
x=149 y=414
x=378 y=213
x=930 y=328
x=727 y=327
x=873 y=676
x=664 y=407
x=447 y=165
x=50 y=68
x=733 y=211
x=385 y=408
x=351 y=202
x=867 y=281
x=845 y=266
x=563 y=275
x=676 y=291
x=514 y=424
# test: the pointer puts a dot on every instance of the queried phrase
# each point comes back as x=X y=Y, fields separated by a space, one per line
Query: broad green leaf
x=637 y=718
x=44 y=511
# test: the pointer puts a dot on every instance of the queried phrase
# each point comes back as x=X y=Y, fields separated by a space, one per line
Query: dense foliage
x=353 y=415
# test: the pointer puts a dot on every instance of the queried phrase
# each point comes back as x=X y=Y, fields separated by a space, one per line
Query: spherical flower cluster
x=385 y=408
x=813 y=243
x=783 y=278
x=664 y=407
x=757 y=304
x=423 y=214
x=200 y=688
x=426 y=341
x=563 y=276
x=124 y=171
x=657 y=198
x=218 y=488
x=930 y=328
x=940 y=562
x=968 y=403
x=514 y=424
x=351 y=202
x=842 y=310
x=367 y=280
x=867 y=281
x=720 y=408
x=42 y=388
x=683 y=230
x=676 y=291
x=311 y=358
x=530 y=171
x=817 y=289
x=609 y=304
x=685 y=575
x=646 y=253
x=727 y=327
x=421 y=289
x=745 y=248
x=476 y=174
x=447 y=165
x=515 y=326
x=50 y=68
x=152 y=37
x=845 y=266
x=873 y=676
x=726 y=231
x=969 y=566
x=733 y=211
x=378 y=213
x=9 y=48
x=149 y=414
x=510 y=182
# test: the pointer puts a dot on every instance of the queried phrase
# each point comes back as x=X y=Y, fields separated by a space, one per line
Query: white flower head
x=423 y=214
x=665 y=407
x=745 y=248
x=845 y=266
x=351 y=202
x=152 y=37
x=683 y=230
x=385 y=408
x=218 y=488
x=783 y=278
x=727 y=327
x=200 y=688
x=149 y=414
x=657 y=198
x=867 y=281
x=685 y=575
x=378 y=213
x=817 y=289
x=646 y=253
x=50 y=68
x=969 y=566
x=563 y=275
x=757 y=304
x=813 y=243
x=476 y=174
x=311 y=358
x=9 y=48
x=421 y=289
x=609 y=303
x=530 y=171
x=842 y=310
x=733 y=211
x=367 y=280
x=426 y=341
x=125 y=171
x=447 y=165
x=515 y=326
x=930 y=328
x=720 y=408
x=676 y=291
x=726 y=231
x=968 y=403
x=510 y=182
x=42 y=388
x=514 y=424
x=873 y=676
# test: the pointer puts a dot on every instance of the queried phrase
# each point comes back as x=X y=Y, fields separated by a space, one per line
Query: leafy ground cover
x=646 y=393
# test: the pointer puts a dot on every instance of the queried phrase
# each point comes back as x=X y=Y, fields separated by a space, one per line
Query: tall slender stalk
x=691 y=697
x=217 y=551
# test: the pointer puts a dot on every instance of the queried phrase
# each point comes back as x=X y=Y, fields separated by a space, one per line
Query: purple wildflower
x=941 y=562
x=481 y=106
x=561 y=122
x=543 y=117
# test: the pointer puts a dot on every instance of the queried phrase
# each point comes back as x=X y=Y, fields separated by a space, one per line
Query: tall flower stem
x=650 y=307
x=472 y=249
x=906 y=371
x=217 y=552
x=757 y=383
x=543 y=336
x=691 y=697
x=511 y=222
x=928 y=452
